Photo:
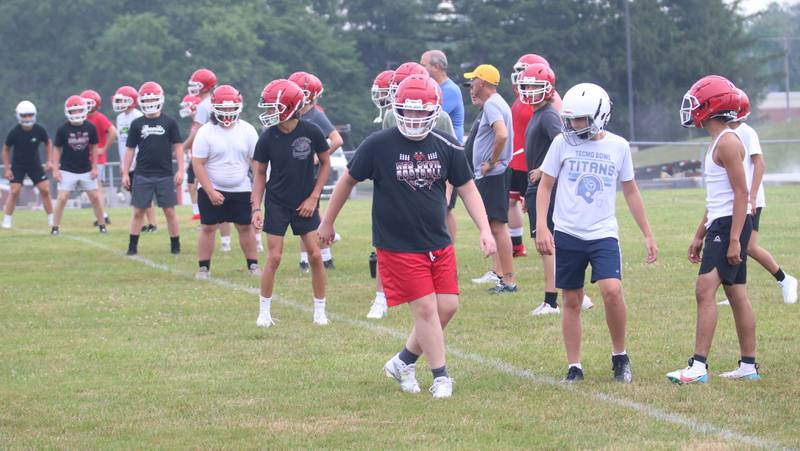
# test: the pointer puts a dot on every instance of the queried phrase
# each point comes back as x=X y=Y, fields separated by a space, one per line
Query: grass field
x=779 y=158
x=98 y=350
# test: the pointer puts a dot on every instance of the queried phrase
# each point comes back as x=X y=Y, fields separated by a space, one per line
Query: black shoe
x=108 y=221
x=305 y=267
x=152 y=228
x=131 y=251
x=144 y=229
x=621 y=365
x=329 y=264
x=501 y=287
x=103 y=229
x=96 y=224
x=574 y=374
x=176 y=249
x=54 y=231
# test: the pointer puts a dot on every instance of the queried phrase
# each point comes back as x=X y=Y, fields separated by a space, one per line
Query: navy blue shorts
x=573 y=255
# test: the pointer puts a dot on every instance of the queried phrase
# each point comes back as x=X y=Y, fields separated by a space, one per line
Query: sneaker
x=225 y=247
x=742 y=374
x=131 y=251
x=103 y=229
x=545 y=309
x=196 y=217
x=202 y=273
x=724 y=302
x=574 y=374
x=378 y=310
x=152 y=228
x=319 y=317
x=329 y=264
x=254 y=270
x=587 y=303
x=519 y=251
x=690 y=374
x=405 y=375
x=789 y=289
x=305 y=267
x=54 y=231
x=489 y=277
x=442 y=387
x=621 y=365
x=501 y=287
x=265 y=320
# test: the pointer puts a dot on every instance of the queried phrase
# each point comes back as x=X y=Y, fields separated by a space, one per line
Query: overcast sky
x=753 y=6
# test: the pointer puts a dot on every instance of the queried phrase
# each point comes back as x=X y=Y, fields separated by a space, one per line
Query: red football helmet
x=309 y=84
x=226 y=104
x=417 y=93
x=93 y=99
x=536 y=84
x=76 y=109
x=380 y=89
x=189 y=105
x=523 y=62
x=404 y=71
x=744 y=107
x=282 y=100
x=202 y=80
x=710 y=97
x=124 y=98
x=151 y=97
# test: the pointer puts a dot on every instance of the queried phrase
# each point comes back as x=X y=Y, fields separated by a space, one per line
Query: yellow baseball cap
x=485 y=72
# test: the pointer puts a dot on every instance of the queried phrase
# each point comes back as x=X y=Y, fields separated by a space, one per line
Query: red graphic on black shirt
x=420 y=171
x=78 y=140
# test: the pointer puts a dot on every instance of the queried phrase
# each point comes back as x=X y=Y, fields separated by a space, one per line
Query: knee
x=44 y=190
x=274 y=260
x=612 y=294
x=572 y=300
x=209 y=229
x=426 y=310
x=138 y=213
x=703 y=290
x=15 y=189
x=315 y=256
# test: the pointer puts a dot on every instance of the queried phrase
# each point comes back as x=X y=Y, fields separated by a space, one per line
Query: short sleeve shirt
x=124 y=120
x=542 y=129
x=102 y=124
x=587 y=184
x=521 y=115
x=291 y=160
x=203 y=113
x=154 y=137
x=443 y=122
x=75 y=142
x=453 y=105
x=24 y=145
x=408 y=201
x=318 y=118
x=229 y=152
x=494 y=109
x=752 y=144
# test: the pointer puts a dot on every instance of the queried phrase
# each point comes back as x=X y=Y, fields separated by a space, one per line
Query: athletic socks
x=7 y=221
x=408 y=357
x=195 y=209
x=779 y=276
x=50 y=219
x=303 y=257
x=206 y=263
x=551 y=298
x=576 y=365
x=516 y=236
x=439 y=372
x=264 y=304
x=174 y=244
x=748 y=364
x=380 y=296
x=326 y=254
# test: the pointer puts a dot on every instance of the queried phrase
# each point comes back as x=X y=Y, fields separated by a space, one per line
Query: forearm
x=259 y=184
x=700 y=233
x=6 y=156
x=758 y=174
x=56 y=158
x=49 y=150
x=127 y=160
x=740 y=199
x=200 y=173
x=474 y=204
x=322 y=177
x=94 y=157
x=497 y=148
x=336 y=141
x=633 y=197
x=177 y=149
x=543 y=194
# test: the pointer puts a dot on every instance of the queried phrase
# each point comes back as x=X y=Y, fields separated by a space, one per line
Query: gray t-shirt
x=318 y=118
x=543 y=127
x=494 y=109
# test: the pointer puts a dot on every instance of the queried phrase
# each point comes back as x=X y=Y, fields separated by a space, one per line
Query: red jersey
x=102 y=124
x=521 y=114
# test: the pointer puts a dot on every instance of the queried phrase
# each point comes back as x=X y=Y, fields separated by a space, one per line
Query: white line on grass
x=498 y=365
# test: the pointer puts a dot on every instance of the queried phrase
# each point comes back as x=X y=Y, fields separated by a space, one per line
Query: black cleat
x=54 y=231
x=500 y=288
x=144 y=229
x=621 y=365
x=103 y=229
x=152 y=228
x=574 y=374
x=108 y=221
x=329 y=264
x=304 y=267
x=175 y=249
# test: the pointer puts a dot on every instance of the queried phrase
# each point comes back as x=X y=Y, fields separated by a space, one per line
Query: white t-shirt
x=124 y=120
x=752 y=144
x=587 y=184
x=229 y=152
x=203 y=111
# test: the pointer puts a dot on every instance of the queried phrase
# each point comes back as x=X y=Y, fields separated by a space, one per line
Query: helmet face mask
x=688 y=105
x=380 y=97
x=711 y=97
x=226 y=104
x=26 y=113
x=533 y=91
x=416 y=106
x=584 y=101
x=577 y=136
x=121 y=103
x=281 y=100
x=194 y=88
x=76 y=110
x=151 y=98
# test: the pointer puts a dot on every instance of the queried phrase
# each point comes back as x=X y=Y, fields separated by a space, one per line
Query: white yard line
x=664 y=416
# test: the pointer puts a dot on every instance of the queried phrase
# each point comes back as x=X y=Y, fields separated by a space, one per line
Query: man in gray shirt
x=492 y=152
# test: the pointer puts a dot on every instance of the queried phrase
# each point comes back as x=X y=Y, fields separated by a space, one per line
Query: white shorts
x=71 y=181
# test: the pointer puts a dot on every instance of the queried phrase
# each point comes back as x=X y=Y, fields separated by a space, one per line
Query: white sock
x=515 y=231
x=258 y=237
x=303 y=257
x=380 y=297
x=225 y=240
x=326 y=254
x=576 y=365
x=265 y=304
x=748 y=367
x=50 y=219
x=7 y=219
x=700 y=366
x=619 y=353
x=195 y=209
x=319 y=304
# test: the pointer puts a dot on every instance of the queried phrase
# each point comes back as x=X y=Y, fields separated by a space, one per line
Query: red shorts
x=408 y=276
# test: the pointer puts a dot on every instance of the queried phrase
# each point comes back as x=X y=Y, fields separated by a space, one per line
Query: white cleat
x=692 y=374
x=265 y=320
x=254 y=270
x=587 y=303
x=442 y=387
x=320 y=318
x=6 y=226
x=489 y=277
x=789 y=289
x=545 y=309
x=225 y=247
x=405 y=375
x=378 y=310
x=7 y=223
x=724 y=302
x=742 y=374
x=337 y=238
x=202 y=273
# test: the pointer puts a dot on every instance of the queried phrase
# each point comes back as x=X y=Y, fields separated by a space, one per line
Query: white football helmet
x=26 y=108
x=585 y=100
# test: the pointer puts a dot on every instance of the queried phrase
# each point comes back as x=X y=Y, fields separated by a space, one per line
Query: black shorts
x=530 y=203
x=163 y=188
x=715 y=250
x=757 y=219
x=190 y=174
x=278 y=218
x=235 y=208
x=494 y=192
x=518 y=184
x=34 y=171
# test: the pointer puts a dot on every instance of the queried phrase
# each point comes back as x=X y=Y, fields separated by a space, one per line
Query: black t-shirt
x=75 y=142
x=542 y=128
x=408 y=201
x=24 y=145
x=289 y=155
x=155 y=137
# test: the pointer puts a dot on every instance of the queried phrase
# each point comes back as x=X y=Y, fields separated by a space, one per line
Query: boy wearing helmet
x=24 y=139
x=588 y=161
x=75 y=161
x=409 y=165
x=724 y=233
x=106 y=132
